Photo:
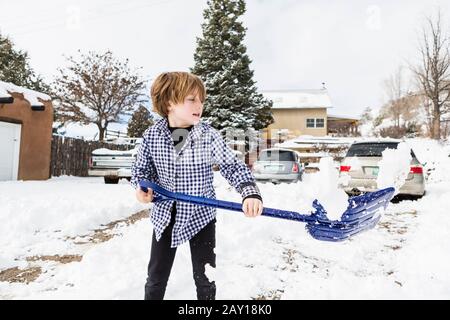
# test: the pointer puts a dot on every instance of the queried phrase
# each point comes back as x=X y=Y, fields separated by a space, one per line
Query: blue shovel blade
x=363 y=213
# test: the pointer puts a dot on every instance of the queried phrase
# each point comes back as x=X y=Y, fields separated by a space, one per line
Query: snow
x=406 y=256
x=434 y=156
x=30 y=95
x=324 y=186
x=105 y=152
x=299 y=99
x=4 y=93
x=306 y=141
x=394 y=167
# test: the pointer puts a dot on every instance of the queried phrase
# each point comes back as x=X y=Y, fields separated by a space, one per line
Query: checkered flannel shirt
x=188 y=171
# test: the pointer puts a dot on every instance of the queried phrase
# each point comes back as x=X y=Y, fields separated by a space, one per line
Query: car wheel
x=109 y=180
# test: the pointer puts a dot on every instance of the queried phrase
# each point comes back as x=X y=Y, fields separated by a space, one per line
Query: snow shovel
x=363 y=212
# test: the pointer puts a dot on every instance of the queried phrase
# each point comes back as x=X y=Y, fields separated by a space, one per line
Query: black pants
x=161 y=260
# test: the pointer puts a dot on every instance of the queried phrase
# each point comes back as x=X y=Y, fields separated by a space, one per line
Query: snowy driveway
x=405 y=256
x=48 y=230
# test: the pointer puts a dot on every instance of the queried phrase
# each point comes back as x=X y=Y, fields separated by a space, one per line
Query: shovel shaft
x=363 y=212
x=164 y=195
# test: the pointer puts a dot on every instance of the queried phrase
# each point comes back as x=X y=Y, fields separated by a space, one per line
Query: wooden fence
x=70 y=156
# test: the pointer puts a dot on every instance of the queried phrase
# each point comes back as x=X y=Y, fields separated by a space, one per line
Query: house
x=305 y=112
x=26 y=119
x=298 y=112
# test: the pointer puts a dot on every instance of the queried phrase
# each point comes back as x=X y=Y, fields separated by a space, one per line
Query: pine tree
x=223 y=64
x=14 y=68
x=139 y=122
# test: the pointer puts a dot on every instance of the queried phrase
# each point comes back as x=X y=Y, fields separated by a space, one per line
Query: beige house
x=298 y=112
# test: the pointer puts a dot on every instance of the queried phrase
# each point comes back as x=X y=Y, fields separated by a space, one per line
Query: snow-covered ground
x=406 y=256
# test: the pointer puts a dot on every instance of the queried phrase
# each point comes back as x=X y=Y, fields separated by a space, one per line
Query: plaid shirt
x=188 y=171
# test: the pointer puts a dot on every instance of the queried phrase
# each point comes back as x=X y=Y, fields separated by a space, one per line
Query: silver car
x=278 y=165
x=363 y=178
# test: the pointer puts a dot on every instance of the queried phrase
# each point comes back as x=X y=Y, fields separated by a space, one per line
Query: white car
x=113 y=165
x=278 y=165
x=363 y=178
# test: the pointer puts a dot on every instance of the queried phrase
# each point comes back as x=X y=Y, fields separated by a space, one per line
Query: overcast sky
x=352 y=46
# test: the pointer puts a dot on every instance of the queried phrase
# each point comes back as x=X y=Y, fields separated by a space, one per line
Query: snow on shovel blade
x=363 y=212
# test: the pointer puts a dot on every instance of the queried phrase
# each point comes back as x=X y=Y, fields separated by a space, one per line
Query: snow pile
x=355 y=164
x=394 y=167
x=434 y=156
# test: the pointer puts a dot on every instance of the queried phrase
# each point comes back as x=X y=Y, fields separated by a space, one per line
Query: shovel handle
x=165 y=195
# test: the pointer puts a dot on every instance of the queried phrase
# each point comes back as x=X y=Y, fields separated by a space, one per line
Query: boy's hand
x=144 y=197
x=252 y=207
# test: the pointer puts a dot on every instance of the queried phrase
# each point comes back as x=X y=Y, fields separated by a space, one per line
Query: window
x=369 y=149
x=320 y=123
x=374 y=149
x=315 y=123
x=276 y=155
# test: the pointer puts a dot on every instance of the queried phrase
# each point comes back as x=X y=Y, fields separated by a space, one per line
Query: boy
x=177 y=153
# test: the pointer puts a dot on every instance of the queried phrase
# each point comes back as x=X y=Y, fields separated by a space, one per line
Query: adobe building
x=26 y=120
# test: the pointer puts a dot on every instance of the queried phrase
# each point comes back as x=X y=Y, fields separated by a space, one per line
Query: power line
x=94 y=17
x=43 y=18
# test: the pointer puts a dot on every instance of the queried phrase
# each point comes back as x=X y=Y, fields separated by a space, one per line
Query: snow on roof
x=293 y=99
x=106 y=152
x=4 y=93
x=311 y=141
x=31 y=95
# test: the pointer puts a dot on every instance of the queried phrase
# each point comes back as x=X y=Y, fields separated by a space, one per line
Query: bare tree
x=433 y=73
x=97 y=89
x=401 y=103
x=366 y=116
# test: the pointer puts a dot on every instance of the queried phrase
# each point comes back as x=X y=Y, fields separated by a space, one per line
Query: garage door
x=9 y=150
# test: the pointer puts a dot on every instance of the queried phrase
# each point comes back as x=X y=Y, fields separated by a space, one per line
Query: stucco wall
x=36 y=137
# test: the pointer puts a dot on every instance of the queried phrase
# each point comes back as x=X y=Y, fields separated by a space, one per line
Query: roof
x=342 y=117
x=298 y=99
x=32 y=96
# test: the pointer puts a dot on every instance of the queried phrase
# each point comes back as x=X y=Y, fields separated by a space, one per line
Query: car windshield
x=372 y=149
x=276 y=155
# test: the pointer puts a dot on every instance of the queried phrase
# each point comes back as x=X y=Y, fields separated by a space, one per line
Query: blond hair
x=172 y=88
